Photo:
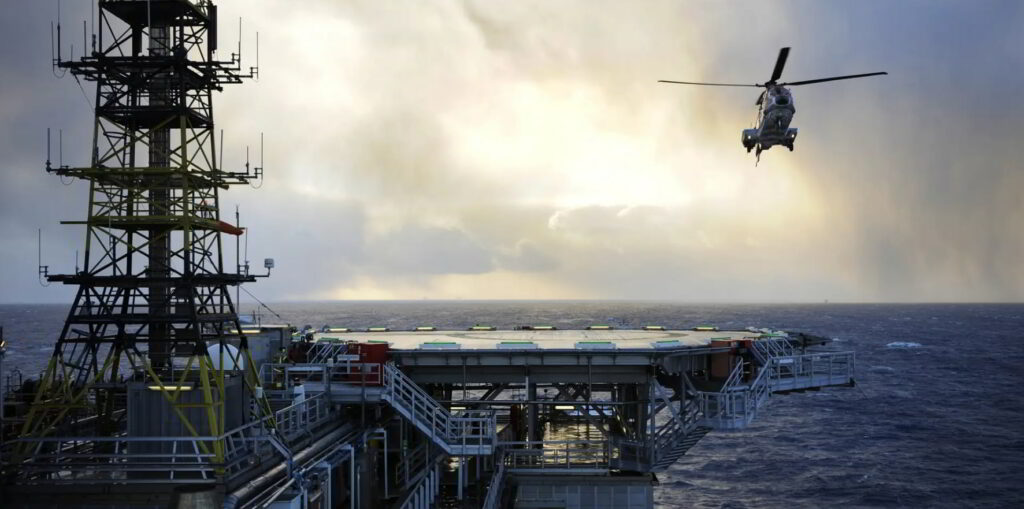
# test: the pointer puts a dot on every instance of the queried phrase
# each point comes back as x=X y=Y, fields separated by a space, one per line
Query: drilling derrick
x=153 y=297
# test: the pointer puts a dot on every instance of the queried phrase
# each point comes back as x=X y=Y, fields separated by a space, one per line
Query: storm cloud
x=524 y=150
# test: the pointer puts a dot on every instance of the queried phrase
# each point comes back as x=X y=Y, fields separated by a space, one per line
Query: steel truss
x=153 y=292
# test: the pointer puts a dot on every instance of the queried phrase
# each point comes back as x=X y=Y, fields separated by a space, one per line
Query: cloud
x=416 y=250
x=524 y=150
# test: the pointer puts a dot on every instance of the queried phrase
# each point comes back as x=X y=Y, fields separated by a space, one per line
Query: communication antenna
x=238 y=251
x=255 y=71
x=238 y=55
x=92 y=24
x=55 y=49
x=48 y=166
x=58 y=33
x=43 y=270
x=245 y=254
x=60 y=156
x=258 y=170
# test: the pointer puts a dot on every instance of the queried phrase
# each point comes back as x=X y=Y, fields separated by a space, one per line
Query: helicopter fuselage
x=775 y=113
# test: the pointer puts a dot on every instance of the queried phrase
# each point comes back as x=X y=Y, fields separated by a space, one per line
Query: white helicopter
x=775 y=107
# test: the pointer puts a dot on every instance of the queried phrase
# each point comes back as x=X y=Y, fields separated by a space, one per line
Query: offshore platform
x=157 y=396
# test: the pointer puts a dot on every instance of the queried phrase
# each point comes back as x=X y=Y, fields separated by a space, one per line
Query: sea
x=936 y=418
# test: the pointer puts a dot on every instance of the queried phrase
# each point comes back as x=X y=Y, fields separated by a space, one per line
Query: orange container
x=371 y=353
x=370 y=356
x=722 y=363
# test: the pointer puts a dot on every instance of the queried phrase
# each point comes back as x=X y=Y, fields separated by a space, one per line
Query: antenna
x=58 y=31
x=221 y=167
x=60 y=148
x=92 y=24
x=239 y=54
x=48 y=149
x=255 y=71
x=259 y=169
x=43 y=270
x=238 y=265
x=245 y=254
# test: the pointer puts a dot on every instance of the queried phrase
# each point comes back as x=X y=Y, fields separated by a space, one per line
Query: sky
x=524 y=150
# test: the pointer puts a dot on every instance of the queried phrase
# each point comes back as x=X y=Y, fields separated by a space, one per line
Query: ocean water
x=936 y=419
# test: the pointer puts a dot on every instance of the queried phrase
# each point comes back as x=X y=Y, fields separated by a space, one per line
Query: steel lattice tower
x=153 y=292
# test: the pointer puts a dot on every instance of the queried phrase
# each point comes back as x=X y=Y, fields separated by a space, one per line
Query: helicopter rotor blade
x=780 y=63
x=822 y=80
x=709 y=84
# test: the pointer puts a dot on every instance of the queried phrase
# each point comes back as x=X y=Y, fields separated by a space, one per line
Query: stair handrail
x=734 y=377
x=759 y=354
x=760 y=386
x=396 y=386
x=496 y=487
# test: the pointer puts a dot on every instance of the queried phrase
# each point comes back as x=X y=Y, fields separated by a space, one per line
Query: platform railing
x=812 y=370
x=557 y=455
x=165 y=459
x=299 y=418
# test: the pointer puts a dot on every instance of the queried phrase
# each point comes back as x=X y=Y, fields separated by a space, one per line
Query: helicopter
x=775 y=107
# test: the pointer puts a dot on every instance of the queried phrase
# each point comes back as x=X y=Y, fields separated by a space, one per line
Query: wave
x=903 y=344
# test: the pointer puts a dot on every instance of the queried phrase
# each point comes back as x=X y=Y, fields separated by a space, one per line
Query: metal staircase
x=469 y=433
x=666 y=457
x=326 y=352
x=735 y=405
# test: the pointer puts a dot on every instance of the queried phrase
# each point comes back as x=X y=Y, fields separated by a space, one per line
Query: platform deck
x=624 y=339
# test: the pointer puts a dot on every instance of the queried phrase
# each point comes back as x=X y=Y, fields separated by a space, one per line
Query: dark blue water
x=935 y=425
